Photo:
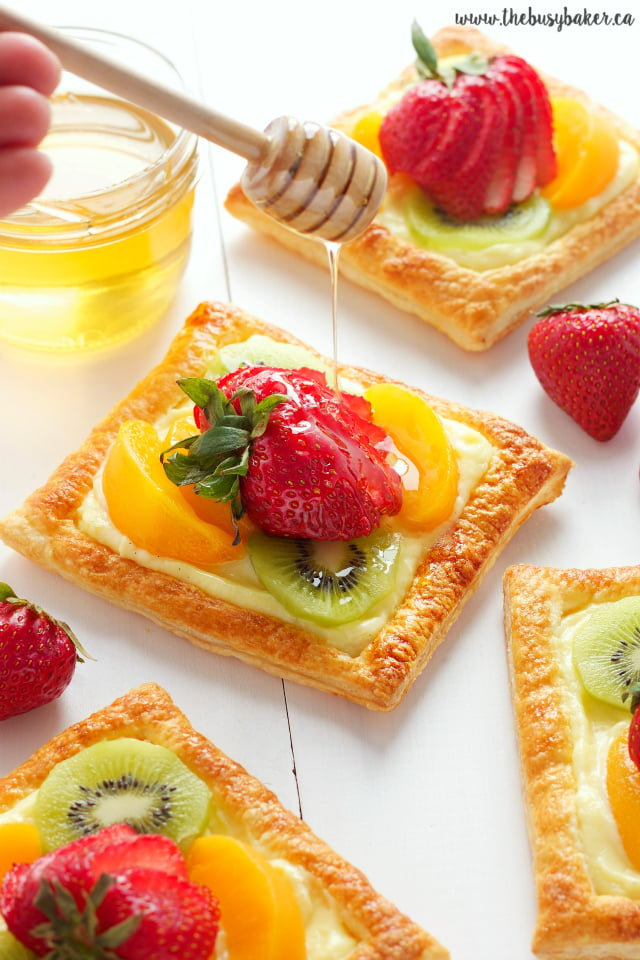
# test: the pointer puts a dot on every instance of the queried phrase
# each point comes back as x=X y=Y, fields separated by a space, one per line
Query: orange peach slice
x=587 y=152
x=623 y=790
x=151 y=511
x=430 y=478
x=19 y=843
x=259 y=911
x=366 y=131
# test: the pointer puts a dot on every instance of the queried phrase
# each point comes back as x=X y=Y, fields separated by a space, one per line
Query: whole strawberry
x=38 y=655
x=115 y=894
x=476 y=135
x=298 y=458
x=587 y=359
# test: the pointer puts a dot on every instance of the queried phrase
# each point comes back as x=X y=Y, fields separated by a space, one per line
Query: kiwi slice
x=12 y=949
x=328 y=582
x=260 y=350
x=433 y=228
x=121 y=781
x=606 y=651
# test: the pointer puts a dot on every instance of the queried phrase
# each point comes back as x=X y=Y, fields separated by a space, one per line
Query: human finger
x=24 y=116
x=24 y=173
x=25 y=61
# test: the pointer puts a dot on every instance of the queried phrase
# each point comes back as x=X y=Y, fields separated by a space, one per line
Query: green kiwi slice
x=330 y=583
x=606 y=651
x=432 y=228
x=121 y=781
x=12 y=949
x=261 y=350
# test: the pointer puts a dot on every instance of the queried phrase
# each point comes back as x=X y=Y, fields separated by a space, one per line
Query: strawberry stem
x=217 y=458
x=72 y=934
x=577 y=307
x=632 y=693
x=427 y=63
x=6 y=593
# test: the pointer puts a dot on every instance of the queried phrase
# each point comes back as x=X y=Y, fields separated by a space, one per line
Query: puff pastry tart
x=342 y=915
x=477 y=282
x=105 y=523
x=572 y=639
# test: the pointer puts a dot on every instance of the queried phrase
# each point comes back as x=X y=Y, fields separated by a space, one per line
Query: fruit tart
x=329 y=536
x=504 y=187
x=574 y=641
x=179 y=852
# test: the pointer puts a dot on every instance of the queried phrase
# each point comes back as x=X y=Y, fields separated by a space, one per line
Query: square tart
x=580 y=915
x=473 y=308
x=522 y=474
x=252 y=812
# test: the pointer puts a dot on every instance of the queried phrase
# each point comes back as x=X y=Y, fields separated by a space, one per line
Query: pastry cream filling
x=326 y=937
x=237 y=583
x=503 y=254
x=594 y=725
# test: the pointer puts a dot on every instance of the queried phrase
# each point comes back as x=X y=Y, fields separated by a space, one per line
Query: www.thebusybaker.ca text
x=508 y=17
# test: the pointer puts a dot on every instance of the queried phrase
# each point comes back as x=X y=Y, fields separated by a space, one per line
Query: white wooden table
x=426 y=800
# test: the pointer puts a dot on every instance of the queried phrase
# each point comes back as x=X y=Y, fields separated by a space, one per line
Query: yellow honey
x=97 y=257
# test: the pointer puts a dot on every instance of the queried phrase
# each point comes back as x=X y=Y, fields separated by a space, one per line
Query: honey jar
x=98 y=256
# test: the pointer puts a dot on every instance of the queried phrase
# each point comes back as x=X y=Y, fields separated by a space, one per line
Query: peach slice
x=623 y=790
x=149 y=509
x=366 y=131
x=207 y=509
x=19 y=843
x=259 y=911
x=430 y=480
x=587 y=152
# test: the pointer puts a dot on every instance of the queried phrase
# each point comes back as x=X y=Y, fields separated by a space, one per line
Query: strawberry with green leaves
x=587 y=359
x=300 y=459
x=38 y=655
x=115 y=895
x=475 y=133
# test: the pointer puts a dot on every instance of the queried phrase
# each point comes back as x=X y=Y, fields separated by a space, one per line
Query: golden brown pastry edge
x=572 y=921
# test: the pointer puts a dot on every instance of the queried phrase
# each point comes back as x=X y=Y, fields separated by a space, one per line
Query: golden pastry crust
x=522 y=476
x=475 y=309
x=148 y=713
x=573 y=921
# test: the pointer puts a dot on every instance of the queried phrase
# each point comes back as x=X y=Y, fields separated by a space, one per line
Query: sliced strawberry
x=634 y=737
x=300 y=459
x=499 y=195
x=151 y=851
x=527 y=172
x=546 y=161
x=463 y=191
x=175 y=917
x=92 y=899
x=455 y=143
x=23 y=885
x=475 y=135
x=413 y=127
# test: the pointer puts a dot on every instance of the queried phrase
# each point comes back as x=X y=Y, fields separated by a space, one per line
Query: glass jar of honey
x=98 y=256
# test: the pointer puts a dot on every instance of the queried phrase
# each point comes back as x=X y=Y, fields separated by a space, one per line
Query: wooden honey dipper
x=311 y=178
